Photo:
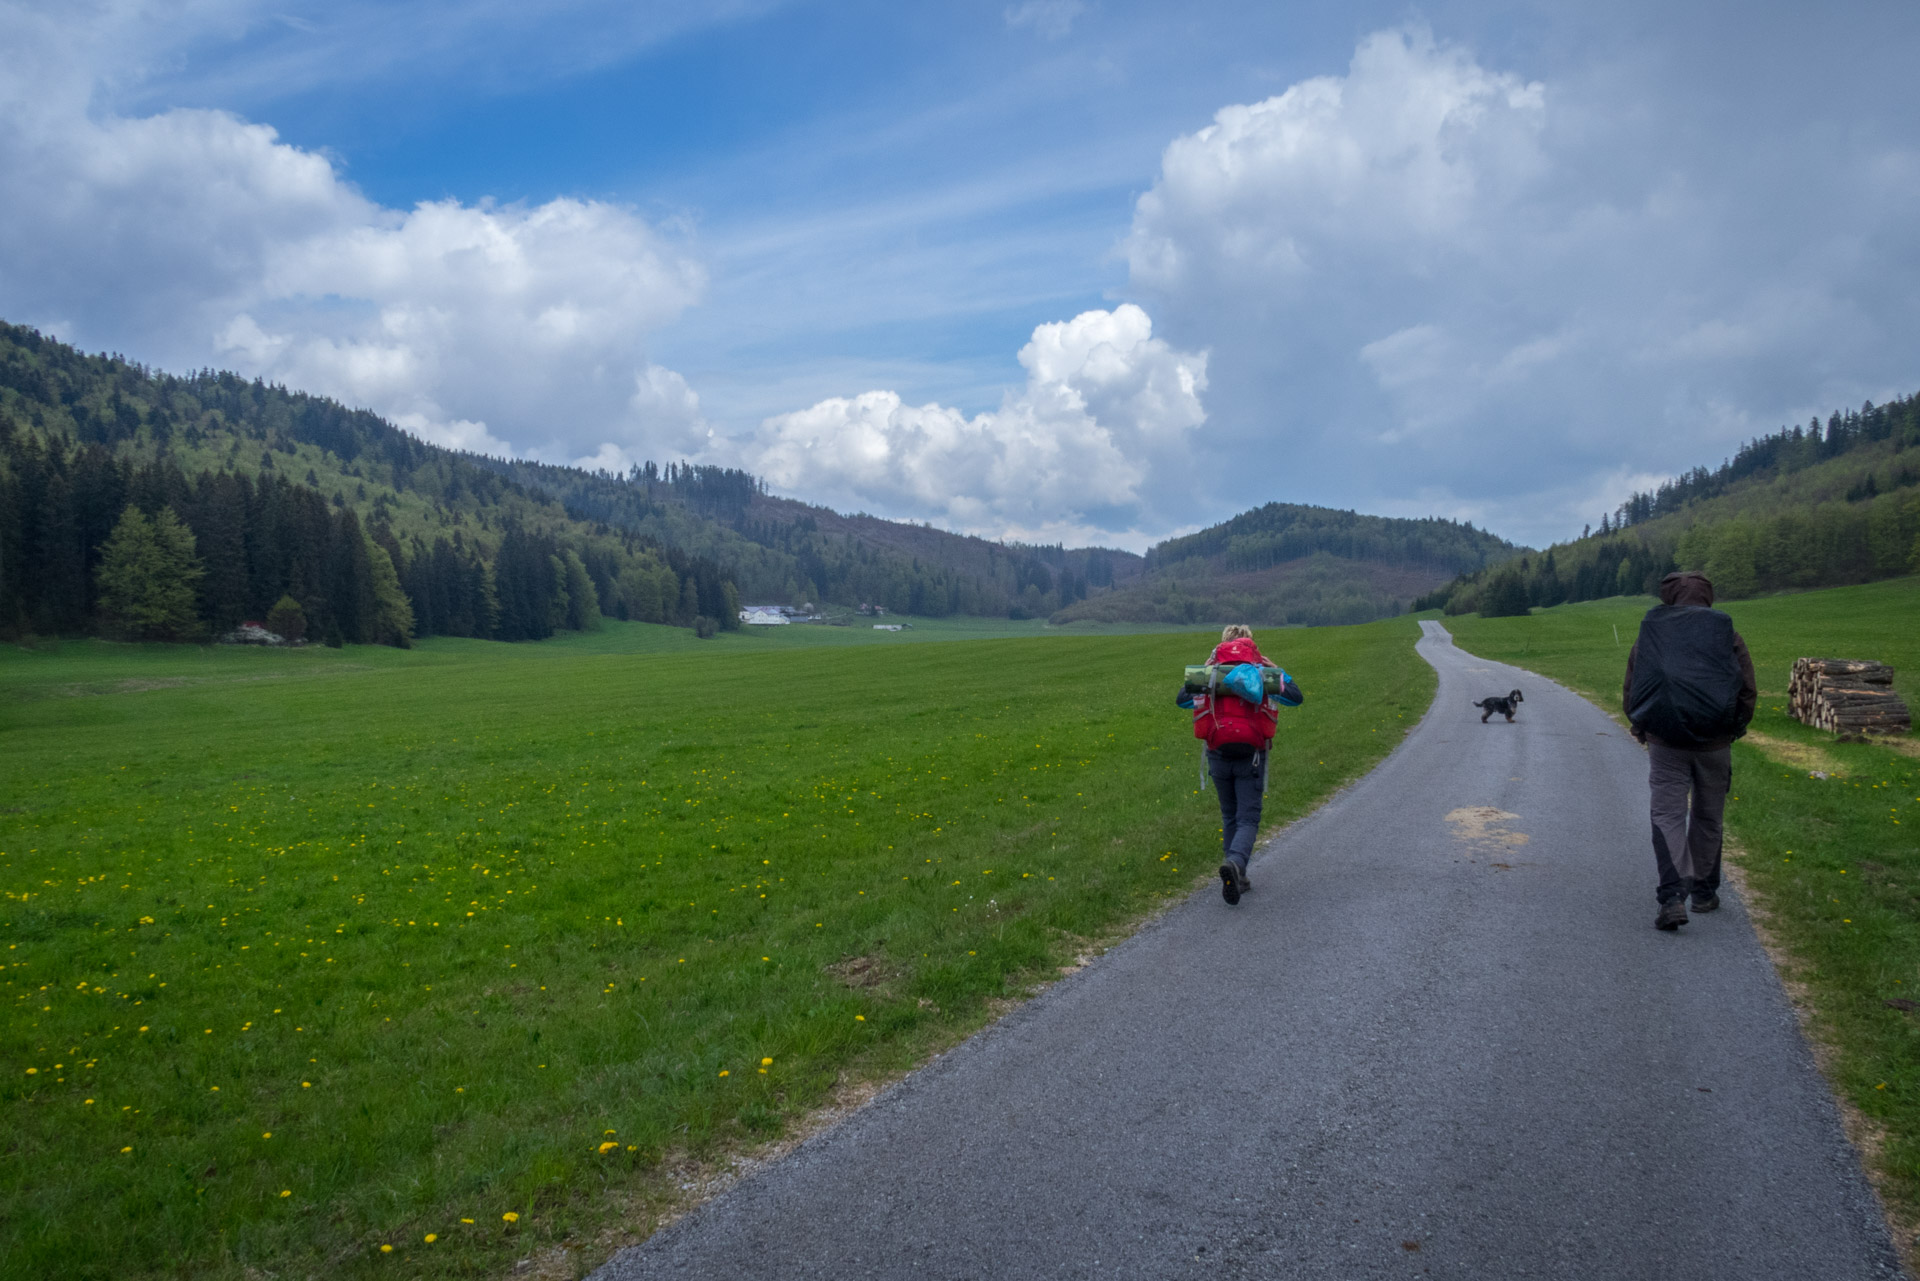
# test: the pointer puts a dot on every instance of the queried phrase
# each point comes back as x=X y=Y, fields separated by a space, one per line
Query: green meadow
x=337 y=961
x=1829 y=832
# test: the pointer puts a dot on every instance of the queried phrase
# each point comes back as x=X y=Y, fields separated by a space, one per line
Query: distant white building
x=756 y=616
x=886 y=627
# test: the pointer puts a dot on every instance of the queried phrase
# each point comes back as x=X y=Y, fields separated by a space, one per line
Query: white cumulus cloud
x=192 y=236
x=1397 y=158
x=1072 y=453
x=1428 y=276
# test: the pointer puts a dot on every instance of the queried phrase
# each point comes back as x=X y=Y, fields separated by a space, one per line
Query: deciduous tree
x=149 y=577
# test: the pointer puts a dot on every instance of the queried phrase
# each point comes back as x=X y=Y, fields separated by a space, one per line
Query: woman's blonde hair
x=1236 y=631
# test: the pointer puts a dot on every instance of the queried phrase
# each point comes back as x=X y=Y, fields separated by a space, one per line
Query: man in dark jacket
x=1688 y=694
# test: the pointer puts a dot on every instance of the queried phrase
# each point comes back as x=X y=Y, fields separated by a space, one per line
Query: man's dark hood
x=1686 y=587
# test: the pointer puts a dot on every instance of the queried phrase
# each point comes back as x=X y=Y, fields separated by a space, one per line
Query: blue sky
x=1079 y=271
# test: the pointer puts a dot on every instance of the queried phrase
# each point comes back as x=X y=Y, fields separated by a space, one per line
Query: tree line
x=712 y=524
x=92 y=543
x=1319 y=590
x=198 y=479
x=1281 y=532
x=1788 y=450
x=776 y=553
x=1855 y=520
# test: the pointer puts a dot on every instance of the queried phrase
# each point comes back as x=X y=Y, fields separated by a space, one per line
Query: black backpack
x=1686 y=677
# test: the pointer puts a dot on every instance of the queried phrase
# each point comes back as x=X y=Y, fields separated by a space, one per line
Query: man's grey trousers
x=1689 y=804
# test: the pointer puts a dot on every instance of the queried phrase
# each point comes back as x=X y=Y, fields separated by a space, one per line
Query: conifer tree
x=1506 y=596
x=149 y=576
x=392 y=615
x=583 y=599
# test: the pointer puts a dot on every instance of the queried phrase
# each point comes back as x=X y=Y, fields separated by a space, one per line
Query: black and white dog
x=1504 y=706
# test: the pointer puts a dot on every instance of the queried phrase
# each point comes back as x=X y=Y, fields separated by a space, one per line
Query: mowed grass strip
x=1834 y=861
x=342 y=960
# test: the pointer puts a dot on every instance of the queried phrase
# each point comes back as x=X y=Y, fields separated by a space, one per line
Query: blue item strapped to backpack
x=1245 y=680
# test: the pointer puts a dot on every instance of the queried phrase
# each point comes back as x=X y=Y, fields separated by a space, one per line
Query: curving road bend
x=1440 y=1038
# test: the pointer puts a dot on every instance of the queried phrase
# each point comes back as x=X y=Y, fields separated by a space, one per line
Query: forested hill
x=782 y=551
x=1287 y=563
x=290 y=495
x=253 y=500
x=1817 y=506
x=250 y=501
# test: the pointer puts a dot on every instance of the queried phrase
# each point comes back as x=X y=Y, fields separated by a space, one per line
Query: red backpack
x=1224 y=718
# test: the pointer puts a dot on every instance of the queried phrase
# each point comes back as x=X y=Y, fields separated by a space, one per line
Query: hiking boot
x=1231 y=878
x=1673 y=914
x=1704 y=903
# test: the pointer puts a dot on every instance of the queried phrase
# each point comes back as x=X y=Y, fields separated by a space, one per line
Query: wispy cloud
x=243 y=52
x=1051 y=19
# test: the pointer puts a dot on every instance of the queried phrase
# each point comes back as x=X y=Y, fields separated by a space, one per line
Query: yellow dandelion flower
x=125 y=1150
x=723 y=1072
x=89 y=1100
x=267 y=1135
x=386 y=1249
x=287 y=1193
x=33 y=1071
x=306 y=1085
x=466 y=1220
x=511 y=1217
x=431 y=1237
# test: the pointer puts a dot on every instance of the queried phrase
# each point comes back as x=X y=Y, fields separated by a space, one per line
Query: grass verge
x=328 y=961
x=1828 y=833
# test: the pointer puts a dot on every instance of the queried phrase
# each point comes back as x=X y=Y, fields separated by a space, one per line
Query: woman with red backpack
x=1236 y=716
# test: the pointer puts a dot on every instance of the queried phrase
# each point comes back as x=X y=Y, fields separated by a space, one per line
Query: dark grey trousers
x=1689 y=802
x=1240 y=786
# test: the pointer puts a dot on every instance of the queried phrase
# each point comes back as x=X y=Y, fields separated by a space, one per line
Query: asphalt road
x=1434 y=1041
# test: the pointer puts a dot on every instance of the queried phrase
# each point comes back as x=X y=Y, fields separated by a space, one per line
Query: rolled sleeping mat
x=1201 y=678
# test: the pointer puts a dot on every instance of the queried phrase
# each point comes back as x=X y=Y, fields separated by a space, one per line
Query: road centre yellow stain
x=1485 y=826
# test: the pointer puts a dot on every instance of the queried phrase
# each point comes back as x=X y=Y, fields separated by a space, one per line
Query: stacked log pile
x=1848 y=696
